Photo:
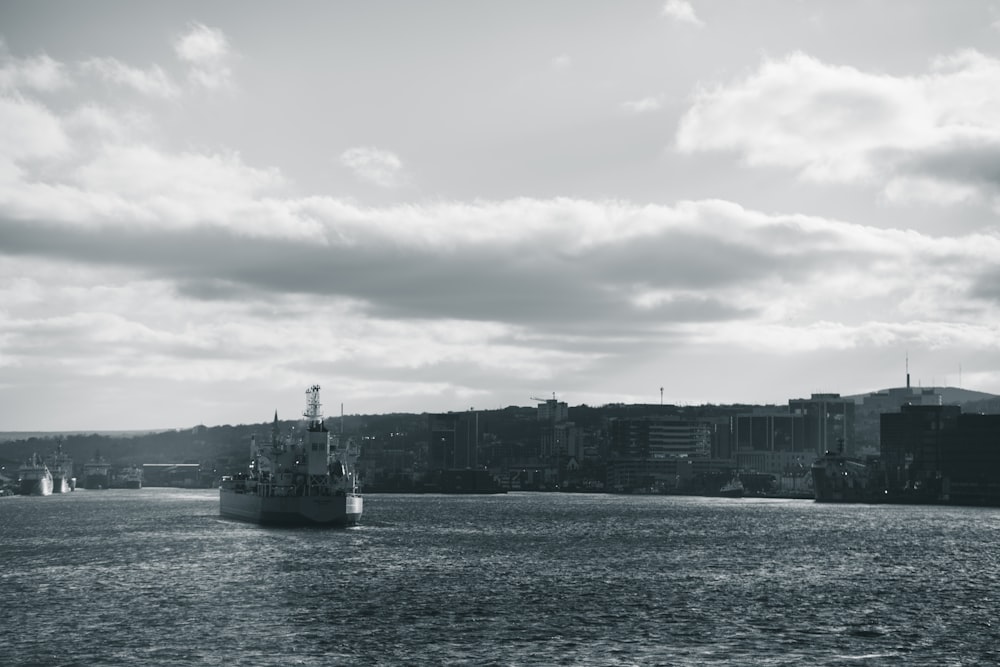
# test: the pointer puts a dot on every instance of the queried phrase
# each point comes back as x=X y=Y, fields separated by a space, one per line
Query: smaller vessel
x=843 y=479
x=34 y=478
x=733 y=488
x=97 y=474
x=132 y=478
x=61 y=467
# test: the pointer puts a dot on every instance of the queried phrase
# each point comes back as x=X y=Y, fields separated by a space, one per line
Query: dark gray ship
x=844 y=479
x=306 y=482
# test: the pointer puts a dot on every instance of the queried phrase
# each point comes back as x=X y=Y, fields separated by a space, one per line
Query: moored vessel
x=306 y=482
x=61 y=467
x=733 y=488
x=843 y=479
x=34 y=478
x=96 y=474
x=132 y=478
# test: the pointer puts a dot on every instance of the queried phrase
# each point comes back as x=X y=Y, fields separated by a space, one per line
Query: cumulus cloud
x=562 y=264
x=840 y=124
x=37 y=73
x=682 y=11
x=153 y=81
x=29 y=130
x=208 y=55
x=374 y=165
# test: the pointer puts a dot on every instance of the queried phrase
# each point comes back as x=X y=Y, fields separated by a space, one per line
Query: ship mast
x=314 y=409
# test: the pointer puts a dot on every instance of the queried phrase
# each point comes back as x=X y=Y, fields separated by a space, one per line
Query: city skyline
x=206 y=209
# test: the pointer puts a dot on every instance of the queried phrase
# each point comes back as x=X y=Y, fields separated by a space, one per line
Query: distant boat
x=132 y=478
x=733 y=488
x=34 y=478
x=309 y=482
x=844 y=479
x=96 y=474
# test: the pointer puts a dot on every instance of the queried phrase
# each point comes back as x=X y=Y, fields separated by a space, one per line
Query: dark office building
x=937 y=453
x=776 y=432
x=453 y=438
x=913 y=444
x=659 y=437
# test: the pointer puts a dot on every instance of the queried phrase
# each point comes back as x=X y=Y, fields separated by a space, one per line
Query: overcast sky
x=207 y=207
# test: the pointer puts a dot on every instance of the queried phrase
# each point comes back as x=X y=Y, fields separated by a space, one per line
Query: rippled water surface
x=154 y=576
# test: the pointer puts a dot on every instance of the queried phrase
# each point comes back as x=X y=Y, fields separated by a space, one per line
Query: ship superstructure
x=843 y=479
x=305 y=481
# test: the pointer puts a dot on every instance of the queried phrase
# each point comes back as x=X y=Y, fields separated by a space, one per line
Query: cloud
x=38 y=73
x=561 y=62
x=682 y=11
x=458 y=298
x=383 y=168
x=838 y=124
x=564 y=265
x=644 y=105
x=28 y=130
x=153 y=82
x=207 y=52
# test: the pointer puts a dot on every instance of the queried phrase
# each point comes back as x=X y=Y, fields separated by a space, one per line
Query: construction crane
x=542 y=400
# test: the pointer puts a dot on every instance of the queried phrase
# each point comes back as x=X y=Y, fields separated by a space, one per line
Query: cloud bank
x=131 y=260
x=929 y=138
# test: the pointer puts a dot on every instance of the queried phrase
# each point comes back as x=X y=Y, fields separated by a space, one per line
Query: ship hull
x=36 y=487
x=95 y=482
x=61 y=484
x=334 y=511
x=838 y=479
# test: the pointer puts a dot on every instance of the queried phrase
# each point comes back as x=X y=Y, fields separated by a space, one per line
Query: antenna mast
x=314 y=410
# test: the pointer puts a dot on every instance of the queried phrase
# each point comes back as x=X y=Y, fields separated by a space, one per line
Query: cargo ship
x=310 y=481
x=34 y=478
x=61 y=467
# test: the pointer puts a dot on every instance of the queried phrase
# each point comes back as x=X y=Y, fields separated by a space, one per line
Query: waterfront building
x=874 y=405
x=453 y=439
x=659 y=437
x=828 y=423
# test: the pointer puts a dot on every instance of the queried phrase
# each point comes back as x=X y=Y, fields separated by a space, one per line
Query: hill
x=949 y=395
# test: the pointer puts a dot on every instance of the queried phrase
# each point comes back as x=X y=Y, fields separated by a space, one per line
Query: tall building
x=828 y=422
x=553 y=411
x=873 y=405
x=772 y=441
x=914 y=442
x=553 y=417
x=453 y=440
x=935 y=452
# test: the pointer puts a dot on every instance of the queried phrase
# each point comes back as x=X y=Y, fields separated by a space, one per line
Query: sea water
x=155 y=576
